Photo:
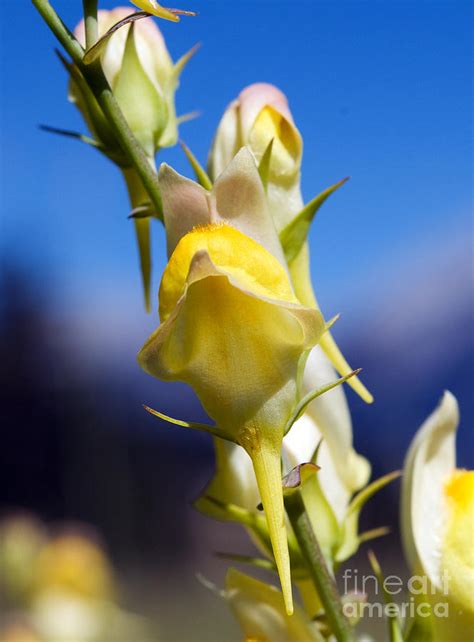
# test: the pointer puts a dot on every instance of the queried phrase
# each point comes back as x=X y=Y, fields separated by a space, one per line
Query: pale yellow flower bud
x=143 y=77
x=259 y=116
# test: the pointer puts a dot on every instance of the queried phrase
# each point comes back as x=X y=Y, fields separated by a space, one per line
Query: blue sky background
x=381 y=91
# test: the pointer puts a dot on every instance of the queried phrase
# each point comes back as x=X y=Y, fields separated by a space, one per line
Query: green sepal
x=94 y=53
x=351 y=539
x=213 y=430
x=200 y=173
x=395 y=633
x=143 y=106
x=264 y=165
x=294 y=235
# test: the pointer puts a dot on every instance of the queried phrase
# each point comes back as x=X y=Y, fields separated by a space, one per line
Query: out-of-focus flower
x=21 y=539
x=17 y=632
x=231 y=326
x=260 y=119
x=74 y=563
x=259 y=608
x=438 y=525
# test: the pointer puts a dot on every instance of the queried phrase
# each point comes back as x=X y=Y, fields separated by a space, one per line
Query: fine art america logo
x=398 y=597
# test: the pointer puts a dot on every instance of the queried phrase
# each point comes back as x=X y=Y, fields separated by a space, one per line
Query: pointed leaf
x=351 y=538
x=185 y=58
x=294 y=235
x=200 y=173
x=258 y=562
x=142 y=231
x=395 y=632
x=335 y=356
x=213 y=430
x=71 y=134
x=96 y=50
x=307 y=399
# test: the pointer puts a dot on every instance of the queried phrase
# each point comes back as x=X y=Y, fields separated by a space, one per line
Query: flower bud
x=143 y=78
x=438 y=523
x=259 y=116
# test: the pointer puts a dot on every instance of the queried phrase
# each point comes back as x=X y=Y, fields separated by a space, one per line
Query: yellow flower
x=261 y=120
x=438 y=523
x=74 y=563
x=231 y=326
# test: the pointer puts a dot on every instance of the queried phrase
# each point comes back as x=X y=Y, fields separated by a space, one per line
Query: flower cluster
x=240 y=324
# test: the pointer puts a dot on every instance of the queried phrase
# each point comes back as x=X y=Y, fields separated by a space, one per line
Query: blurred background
x=381 y=91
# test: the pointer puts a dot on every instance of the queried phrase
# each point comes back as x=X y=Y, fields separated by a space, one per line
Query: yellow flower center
x=247 y=262
x=457 y=558
x=286 y=144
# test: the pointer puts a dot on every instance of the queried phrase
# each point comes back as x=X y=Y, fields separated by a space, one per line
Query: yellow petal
x=457 y=557
x=253 y=268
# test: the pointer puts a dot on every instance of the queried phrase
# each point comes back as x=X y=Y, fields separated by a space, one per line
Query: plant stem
x=100 y=87
x=90 y=21
x=322 y=578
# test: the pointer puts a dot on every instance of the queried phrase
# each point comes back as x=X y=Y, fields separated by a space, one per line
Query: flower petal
x=430 y=460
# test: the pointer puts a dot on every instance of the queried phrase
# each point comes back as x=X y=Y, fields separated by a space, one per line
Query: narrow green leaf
x=294 y=235
x=301 y=407
x=395 y=632
x=200 y=173
x=92 y=54
x=351 y=538
x=185 y=58
x=213 y=430
x=258 y=562
x=71 y=134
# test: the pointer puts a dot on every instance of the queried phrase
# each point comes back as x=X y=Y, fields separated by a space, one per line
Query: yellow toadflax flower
x=231 y=326
x=261 y=120
x=438 y=524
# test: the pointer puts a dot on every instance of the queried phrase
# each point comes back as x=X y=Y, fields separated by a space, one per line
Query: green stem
x=90 y=21
x=100 y=87
x=322 y=578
